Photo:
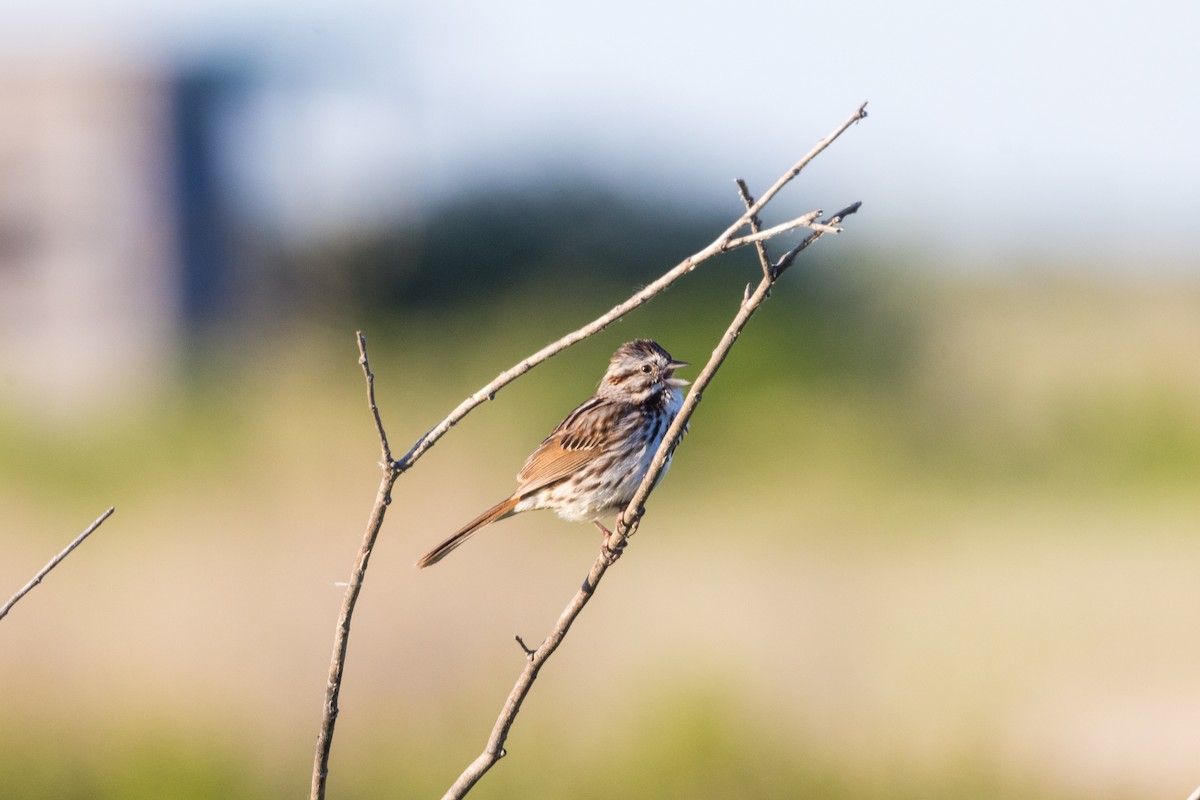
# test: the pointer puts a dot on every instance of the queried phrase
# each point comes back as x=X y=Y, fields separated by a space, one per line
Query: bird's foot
x=609 y=553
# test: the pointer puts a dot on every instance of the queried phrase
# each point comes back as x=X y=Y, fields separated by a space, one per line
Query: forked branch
x=341 y=636
x=726 y=241
x=628 y=520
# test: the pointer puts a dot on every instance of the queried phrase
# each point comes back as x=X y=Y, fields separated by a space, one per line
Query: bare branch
x=787 y=258
x=54 y=562
x=524 y=647
x=342 y=632
x=628 y=520
x=494 y=750
x=760 y=247
x=818 y=148
x=370 y=378
x=805 y=221
x=718 y=245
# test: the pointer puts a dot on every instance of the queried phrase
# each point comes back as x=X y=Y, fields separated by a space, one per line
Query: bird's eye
x=646 y=368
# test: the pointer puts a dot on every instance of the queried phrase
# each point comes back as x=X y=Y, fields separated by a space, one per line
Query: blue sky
x=997 y=130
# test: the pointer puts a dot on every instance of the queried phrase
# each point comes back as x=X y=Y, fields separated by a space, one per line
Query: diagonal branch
x=722 y=243
x=54 y=562
x=787 y=258
x=805 y=221
x=628 y=520
x=627 y=523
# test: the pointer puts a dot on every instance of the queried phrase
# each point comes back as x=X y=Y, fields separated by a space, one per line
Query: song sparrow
x=593 y=462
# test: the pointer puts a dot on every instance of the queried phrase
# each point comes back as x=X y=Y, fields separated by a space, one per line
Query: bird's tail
x=497 y=512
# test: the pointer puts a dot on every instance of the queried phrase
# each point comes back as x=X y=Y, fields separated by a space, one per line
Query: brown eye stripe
x=621 y=377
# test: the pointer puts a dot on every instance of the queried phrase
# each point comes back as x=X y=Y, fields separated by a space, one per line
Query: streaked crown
x=639 y=371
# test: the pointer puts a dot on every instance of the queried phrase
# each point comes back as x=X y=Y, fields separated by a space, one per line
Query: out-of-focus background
x=933 y=533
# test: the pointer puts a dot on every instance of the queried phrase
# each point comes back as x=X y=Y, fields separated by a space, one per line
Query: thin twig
x=44 y=571
x=370 y=378
x=808 y=220
x=628 y=520
x=342 y=633
x=755 y=226
x=787 y=258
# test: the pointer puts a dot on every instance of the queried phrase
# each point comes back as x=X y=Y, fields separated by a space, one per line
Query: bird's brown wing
x=577 y=441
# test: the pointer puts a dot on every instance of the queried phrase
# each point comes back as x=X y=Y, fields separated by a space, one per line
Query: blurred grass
x=691 y=743
x=912 y=513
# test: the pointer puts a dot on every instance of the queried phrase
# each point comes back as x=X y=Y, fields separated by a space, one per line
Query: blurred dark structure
x=126 y=235
x=201 y=199
x=553 y=235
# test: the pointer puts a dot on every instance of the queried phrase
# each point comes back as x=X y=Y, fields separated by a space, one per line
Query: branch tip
x=848 y=210
x=529 y=654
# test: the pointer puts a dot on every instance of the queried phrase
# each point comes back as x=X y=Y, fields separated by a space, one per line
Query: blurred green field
x=928 y=537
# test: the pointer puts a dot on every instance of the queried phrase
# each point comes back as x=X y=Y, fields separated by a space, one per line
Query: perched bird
x=591 y=465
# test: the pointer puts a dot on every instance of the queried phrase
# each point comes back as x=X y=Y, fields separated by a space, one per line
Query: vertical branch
x=386 y=452
x=54 y=562
x=341 y=638
x=760 y=246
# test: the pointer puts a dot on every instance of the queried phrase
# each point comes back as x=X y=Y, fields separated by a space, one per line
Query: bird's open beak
x=671 y=379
